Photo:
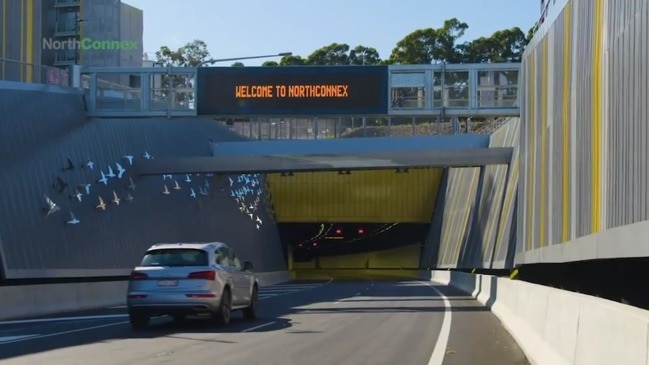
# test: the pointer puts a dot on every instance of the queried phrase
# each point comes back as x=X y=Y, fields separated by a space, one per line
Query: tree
x=333 y=54
x=362 y=55
x=238 y=64
x=426 y=46
x=269 y=64
x=503 y=46
x=191 y=54
x=342 y=54
x=292 y=61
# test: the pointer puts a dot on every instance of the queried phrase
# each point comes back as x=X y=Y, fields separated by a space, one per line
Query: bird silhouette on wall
x=165 y=190
x=50 y=207
x=120 y=170
x=104 y=179
x=77 y=195
x=102 y=205
x=84 y=187
x=131 y=184
x=116 y=198
x=73 y=219
x=59 y=185
x=90 y=165
x=69 y=166
x=111 y=173
x=128 y=158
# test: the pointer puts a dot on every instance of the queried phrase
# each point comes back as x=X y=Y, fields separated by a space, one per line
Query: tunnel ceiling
x=378 y=196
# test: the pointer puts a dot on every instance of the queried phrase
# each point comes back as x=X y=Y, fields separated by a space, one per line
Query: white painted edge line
x=439 y=351
x=65 y=332
x=63 y=319
x=258 y=327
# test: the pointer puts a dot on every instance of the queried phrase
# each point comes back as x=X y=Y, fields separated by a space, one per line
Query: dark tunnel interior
x=308 y=240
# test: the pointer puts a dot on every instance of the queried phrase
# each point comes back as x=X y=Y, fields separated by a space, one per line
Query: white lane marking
x=62 y=319
x=13 y=338
x=258 y=327
x=64 y=332
x=355 y=295
x=118 y=307
x=437 y=357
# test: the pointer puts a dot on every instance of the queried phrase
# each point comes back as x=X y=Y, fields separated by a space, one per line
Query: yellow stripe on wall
x=544 y=123
x=597 y=118
x=22 y=38
x=30 y=41
x=4 y=35
x=567 y=47
x=531 y=75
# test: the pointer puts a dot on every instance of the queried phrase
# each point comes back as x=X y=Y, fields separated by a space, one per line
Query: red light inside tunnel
x=315 y=244
x=361 y=231
x=339 y=231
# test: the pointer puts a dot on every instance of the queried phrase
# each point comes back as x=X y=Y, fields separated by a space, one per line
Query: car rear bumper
x=177 y=303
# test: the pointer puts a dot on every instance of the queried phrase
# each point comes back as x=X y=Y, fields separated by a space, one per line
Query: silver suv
x=181 y=279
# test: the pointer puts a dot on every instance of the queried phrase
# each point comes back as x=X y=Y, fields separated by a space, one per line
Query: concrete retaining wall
x=557 y=327
x=38 y=300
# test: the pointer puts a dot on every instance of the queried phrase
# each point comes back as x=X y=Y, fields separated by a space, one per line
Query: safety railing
x=462 y=90
x=140 y=91
x=11 y=70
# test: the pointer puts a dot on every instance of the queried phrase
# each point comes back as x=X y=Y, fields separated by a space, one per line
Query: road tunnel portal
x=342 y=203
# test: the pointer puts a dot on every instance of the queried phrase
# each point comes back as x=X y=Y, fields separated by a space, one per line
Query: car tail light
x=139 y=276
x=205 y=275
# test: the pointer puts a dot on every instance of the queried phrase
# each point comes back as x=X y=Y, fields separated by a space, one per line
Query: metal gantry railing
x=462 y=90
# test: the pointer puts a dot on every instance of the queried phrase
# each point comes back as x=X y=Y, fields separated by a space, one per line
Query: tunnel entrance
x=354 y=245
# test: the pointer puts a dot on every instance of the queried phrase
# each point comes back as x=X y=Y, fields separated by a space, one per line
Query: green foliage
x=422 y=46
x=191 y=54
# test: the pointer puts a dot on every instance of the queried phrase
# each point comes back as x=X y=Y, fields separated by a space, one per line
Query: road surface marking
x=64 y=332
x=437 y=357
x=258 y=327
x=62 y=319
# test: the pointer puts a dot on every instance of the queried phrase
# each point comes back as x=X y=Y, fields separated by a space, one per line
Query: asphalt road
x=383 y=322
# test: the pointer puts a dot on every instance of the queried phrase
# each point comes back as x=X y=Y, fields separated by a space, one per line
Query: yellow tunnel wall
x=378 y=196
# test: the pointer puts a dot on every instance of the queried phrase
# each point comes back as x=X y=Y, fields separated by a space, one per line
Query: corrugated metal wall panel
x=116 y=237
x=627 y=54
x=460 y=198
x=596 y=174
x=506 y=215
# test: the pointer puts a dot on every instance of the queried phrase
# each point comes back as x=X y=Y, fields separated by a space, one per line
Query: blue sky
x=259 y=27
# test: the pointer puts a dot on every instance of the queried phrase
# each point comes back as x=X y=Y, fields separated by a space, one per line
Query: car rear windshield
x=175 y=257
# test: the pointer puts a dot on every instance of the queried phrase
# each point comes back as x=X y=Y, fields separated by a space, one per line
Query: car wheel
x=138 y=320
x=251 y=311
x=224 y=312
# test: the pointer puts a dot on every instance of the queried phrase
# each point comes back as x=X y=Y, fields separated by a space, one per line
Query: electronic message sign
x=292 y=90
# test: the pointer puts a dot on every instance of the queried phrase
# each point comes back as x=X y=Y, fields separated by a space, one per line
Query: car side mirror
x=247 y=266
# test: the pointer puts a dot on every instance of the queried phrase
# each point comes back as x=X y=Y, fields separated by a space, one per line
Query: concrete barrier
x=558 y=327
x=38 y=300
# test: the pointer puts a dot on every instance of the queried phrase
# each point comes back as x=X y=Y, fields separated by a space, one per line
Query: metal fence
x=11 y=70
